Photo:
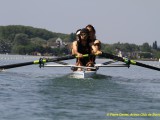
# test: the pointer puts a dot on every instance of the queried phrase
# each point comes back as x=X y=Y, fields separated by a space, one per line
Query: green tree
x=146 y=55
x=38 y=41
x=107 y=48
x=157 y=54
x=19 y=49
x=5 y=47
x=21 y=39
x=155 y=46
x=145 y=47
x=72 y=37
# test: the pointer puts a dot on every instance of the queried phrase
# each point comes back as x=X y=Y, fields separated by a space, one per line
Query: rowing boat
x=86 y=72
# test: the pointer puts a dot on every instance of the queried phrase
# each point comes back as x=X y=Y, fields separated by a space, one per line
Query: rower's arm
x=75 y=49
x=96 y=47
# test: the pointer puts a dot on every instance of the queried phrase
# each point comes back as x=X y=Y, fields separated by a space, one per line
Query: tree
x=107 y=48
x=21 y=39
x=155 y=46
x=157 y=54
x=5 y=47
x=39 y=41
x=72 y=37
x=145 y=47
x=19 y=49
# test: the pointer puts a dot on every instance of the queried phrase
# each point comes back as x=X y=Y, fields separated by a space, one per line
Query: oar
x=41 y=61
x=108 y=62
x=60 y=62
x=127 y=61
x=64 y=63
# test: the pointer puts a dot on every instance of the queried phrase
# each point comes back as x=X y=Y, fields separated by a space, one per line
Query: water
x=31 y=93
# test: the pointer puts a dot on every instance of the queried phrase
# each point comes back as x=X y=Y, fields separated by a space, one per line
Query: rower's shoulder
x=75 y=43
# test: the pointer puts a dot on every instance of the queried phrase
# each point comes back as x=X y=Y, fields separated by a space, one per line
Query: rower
x=81 y=46
x=94 y=43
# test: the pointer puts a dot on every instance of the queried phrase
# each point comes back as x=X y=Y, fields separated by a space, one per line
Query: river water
x=31 y=93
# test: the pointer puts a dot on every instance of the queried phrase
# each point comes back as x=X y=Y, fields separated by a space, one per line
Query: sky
x=131 y=21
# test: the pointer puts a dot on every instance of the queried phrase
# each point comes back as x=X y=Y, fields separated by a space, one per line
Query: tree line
x=145 y=50
x=18 y=39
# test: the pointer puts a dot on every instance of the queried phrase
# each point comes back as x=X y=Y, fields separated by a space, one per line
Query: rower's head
x=92 y=31
x=84 y=34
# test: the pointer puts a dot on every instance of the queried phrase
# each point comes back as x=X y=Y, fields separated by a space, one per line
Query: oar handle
x=85 y=55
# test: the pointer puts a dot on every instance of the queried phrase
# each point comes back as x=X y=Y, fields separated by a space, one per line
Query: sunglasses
x=83 y=34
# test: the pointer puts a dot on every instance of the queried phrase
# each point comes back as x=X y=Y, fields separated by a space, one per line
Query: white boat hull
x=86 y=73
x=83 y=74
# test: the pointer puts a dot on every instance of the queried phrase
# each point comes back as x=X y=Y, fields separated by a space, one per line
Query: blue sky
x=132 y=21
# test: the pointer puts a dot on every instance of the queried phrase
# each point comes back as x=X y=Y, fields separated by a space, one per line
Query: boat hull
x=83 y=74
